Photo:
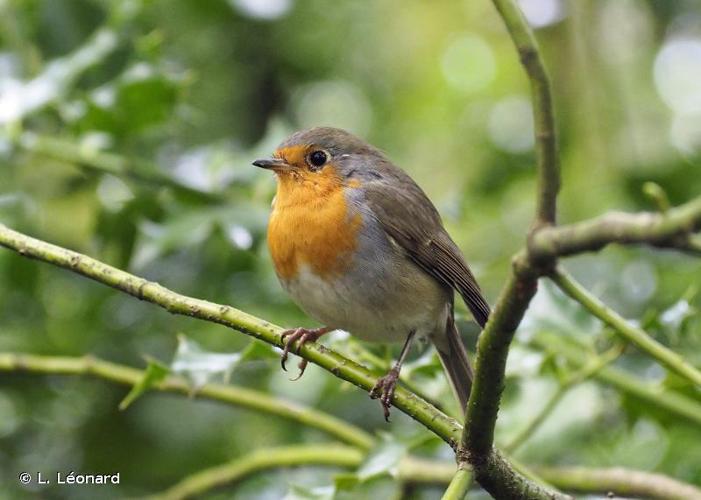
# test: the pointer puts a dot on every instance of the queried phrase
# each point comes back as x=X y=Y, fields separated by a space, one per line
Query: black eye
x=318 y=158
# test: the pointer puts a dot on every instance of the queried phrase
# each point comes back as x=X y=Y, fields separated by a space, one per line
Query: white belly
x=376 y=304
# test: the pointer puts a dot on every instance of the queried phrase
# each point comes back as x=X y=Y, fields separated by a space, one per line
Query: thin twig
x=263 y=459
x=656 y=397
x=415 y=470
x=543 y=116
x=588 y=370
x=459 y=484
x=231 y=394
x=632 y=334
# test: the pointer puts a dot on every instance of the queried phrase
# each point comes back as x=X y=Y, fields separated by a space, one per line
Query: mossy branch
x=671 y=229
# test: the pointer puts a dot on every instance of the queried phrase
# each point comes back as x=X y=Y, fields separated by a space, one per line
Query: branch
x=588 y=370
x=258 y=460
x=239 y=396
x=413 y=469
x=544 y=121
x=666 y=400
x=490 y=364
x=416 y=470
x=620 y=482
x=671 y=229
x=636 y=336
x=459 y=484
x=476 y=446
x=443 y=426
x=532 y=426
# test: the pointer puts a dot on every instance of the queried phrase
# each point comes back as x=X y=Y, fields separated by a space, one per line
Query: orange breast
x=311 y=224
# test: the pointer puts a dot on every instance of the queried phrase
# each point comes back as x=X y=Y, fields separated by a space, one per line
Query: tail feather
x=456 y=364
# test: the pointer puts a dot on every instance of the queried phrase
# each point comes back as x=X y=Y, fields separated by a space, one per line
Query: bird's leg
x=304 y=335
x=384 y=388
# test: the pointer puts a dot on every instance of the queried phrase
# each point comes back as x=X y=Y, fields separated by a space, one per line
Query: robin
x=358 y=246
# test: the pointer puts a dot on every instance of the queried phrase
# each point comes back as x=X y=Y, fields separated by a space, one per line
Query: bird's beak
x=276 y=164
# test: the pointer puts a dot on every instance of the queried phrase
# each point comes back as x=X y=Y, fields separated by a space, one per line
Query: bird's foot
x=384 y=390
x=303 y=335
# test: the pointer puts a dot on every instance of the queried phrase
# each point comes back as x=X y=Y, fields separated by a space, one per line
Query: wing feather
x=408 y=217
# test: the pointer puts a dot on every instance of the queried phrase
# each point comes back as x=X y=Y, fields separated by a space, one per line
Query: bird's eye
x=317 y=158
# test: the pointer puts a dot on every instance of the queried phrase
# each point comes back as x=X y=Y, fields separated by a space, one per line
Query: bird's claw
x=302 y=366
x=303 y=335
x=384 y=390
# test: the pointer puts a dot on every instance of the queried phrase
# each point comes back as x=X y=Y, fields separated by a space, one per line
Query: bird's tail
x=455 y=362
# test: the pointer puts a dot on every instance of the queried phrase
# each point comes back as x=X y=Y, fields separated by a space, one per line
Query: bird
x=359 y=246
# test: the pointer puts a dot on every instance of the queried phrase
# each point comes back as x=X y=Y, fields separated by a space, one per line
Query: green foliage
x=127 y=130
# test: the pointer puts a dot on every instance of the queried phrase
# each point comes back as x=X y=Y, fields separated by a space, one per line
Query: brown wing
x=408 y=216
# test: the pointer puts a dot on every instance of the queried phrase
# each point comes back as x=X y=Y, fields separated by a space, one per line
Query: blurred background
x=127 y=130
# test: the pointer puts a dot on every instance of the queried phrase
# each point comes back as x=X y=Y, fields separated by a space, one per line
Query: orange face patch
x=310 y=223
x=294 y=155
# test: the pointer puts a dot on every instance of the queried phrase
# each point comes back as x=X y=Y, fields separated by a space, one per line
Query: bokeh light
x=540 y=13
x=678 y=74
x=333 y=103
x=510 y=124
x=468 y=63
x=262 y=9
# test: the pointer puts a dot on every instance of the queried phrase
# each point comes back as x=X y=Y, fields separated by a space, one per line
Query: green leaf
x=552 y=310
x=56 y=79
x=200 y=366
x=426 y=365
x=346 y=481
x=383 y=459
x=155 y=373
x=189 y=228
x=143 y=96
